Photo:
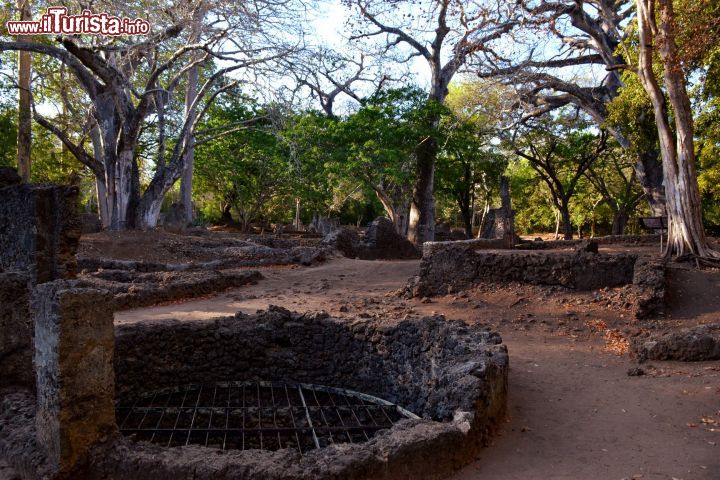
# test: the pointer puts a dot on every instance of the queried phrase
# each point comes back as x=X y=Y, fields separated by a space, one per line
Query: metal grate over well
x=256 y=415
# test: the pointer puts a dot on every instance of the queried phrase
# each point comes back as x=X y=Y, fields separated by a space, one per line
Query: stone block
x=39 y=230
x=16 y=348
x=74 y=346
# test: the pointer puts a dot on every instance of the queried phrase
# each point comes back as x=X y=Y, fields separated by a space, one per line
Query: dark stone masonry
x=39 y=235
x=453 y=266
x=16 y=366
x=74 y=342
x=453 y=375
x=381 y=241
x=39 y=230
x=696 y=344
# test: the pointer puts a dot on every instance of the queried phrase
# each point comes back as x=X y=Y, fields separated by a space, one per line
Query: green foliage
x=532 y=201
x=631 y=112
x=470 y=162
x=244 y=171
x=8 y=137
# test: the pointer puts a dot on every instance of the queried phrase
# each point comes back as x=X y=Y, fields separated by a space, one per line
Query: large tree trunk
x=389 y=208
x=24 y=130
x=122 y=191
x=567 y=223
x=148 y=210
x=467 y=217
x=685 y=228
x=190 y=113
x=620 y=220
x=421 y=228
x=649 y=171
x=187 y=175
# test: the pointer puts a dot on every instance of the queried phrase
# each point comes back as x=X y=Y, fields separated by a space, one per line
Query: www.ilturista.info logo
x=57 y=21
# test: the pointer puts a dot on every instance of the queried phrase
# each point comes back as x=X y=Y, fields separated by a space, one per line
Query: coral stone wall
x=432 y=367
x=16 y=331
x=458 y=267
x=452 y=374
x=39 y=230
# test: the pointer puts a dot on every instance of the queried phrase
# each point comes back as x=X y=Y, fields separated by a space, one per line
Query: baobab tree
x=446 y=34
x=130 y=81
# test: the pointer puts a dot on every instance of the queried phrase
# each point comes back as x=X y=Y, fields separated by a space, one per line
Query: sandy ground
x=574 y=411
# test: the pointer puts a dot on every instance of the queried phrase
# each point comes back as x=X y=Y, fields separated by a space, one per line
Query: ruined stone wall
x=39 y=230
x=39 y=234
x=414 y=364
x=73 y=360
x=15 y=330
x=605 y=240
x=133 y=290
x=442 y=370
x=456 y=268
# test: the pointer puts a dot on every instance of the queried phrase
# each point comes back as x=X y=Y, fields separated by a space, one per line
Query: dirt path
x=574 y=411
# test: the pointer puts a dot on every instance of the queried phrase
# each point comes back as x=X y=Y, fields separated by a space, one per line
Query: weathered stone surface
x=649 y=287
x=499 y=223
x=16 y=329
x=39 y=230
x=428 y=248
x=590 y=246
x=74 y=343
x=453 y=374
x=538 y=244
x=174 y=220
x=344 y=239
x=689 y=345
x=132 y=290
x=461 y=266
x=381 y=241
x=18 y=442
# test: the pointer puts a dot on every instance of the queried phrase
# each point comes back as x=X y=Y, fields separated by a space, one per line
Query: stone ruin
x=39 y=234
x=71 y=379
x=452 y=266
x=381 y=241
x=499 y=223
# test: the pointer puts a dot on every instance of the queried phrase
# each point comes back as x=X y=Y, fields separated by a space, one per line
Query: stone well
x=453 y=376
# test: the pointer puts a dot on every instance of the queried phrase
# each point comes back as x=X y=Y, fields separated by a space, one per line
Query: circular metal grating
x=256 y=415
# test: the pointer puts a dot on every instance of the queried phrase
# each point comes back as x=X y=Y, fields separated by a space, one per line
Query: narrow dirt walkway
x=574 y=411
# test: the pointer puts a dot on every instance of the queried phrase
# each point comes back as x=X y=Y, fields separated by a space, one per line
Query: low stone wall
x=16 y=330
x=414 y=363
x=695 y=344
x=228 y=258
x=457 y=268
x=430 y=248
x=131 y=290
x=453 y=375
x=650 y=287
x=380 y=242
x=606 y=240
x=452 y=266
